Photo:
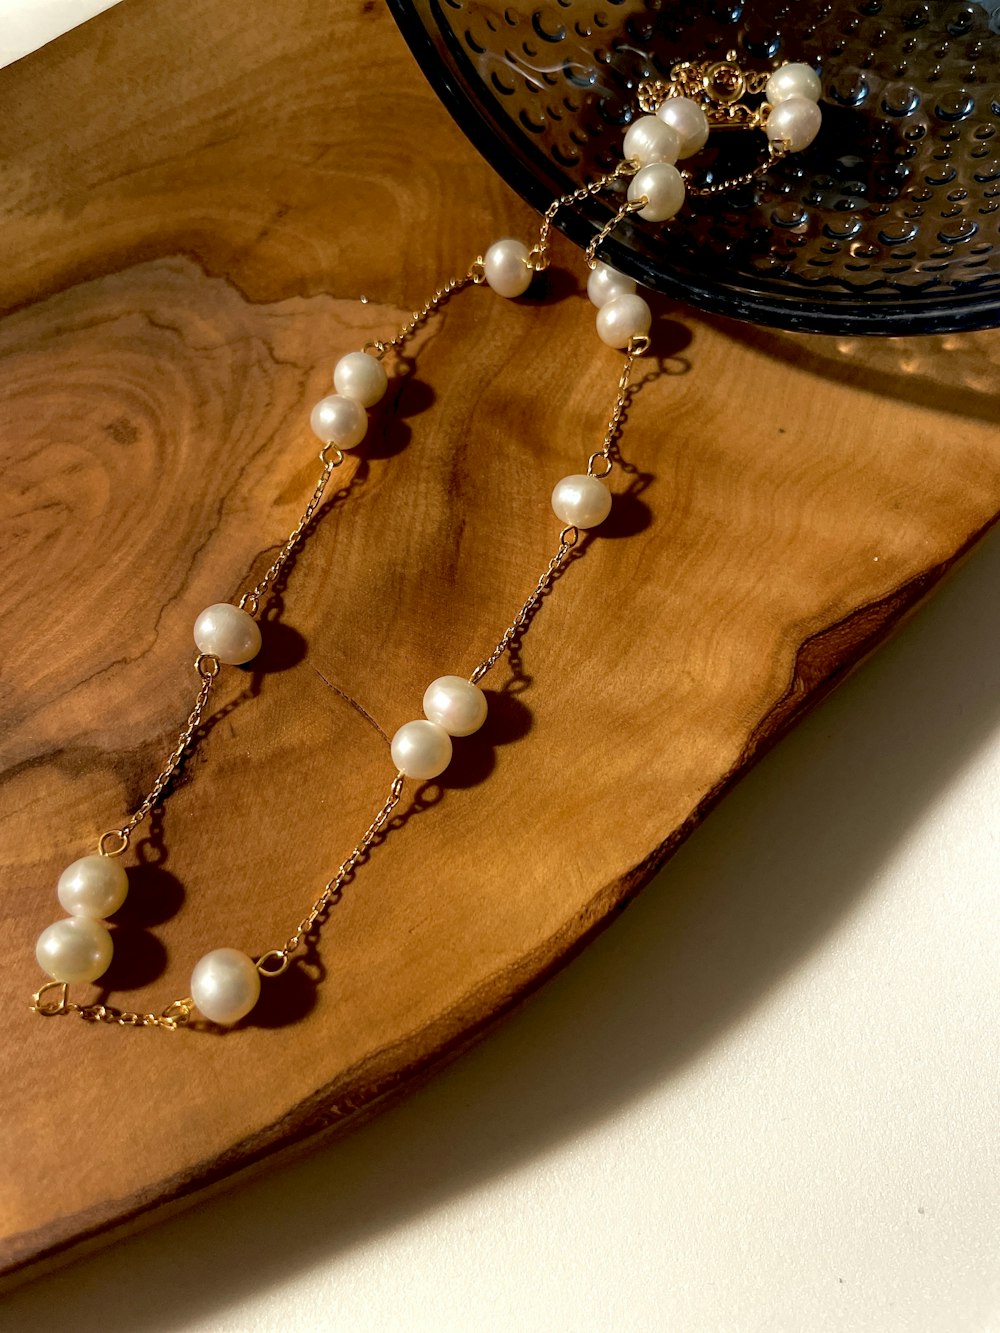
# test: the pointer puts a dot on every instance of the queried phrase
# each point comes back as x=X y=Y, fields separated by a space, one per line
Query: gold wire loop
x=638 y=345
x=207 y=666
x=113 y=843
x=477 y=271
x=176 y=1012
x=250 y=603
x=377 y=347
x=330 y=456
x=592 y=465
x=264 y=966
x=569 y=536
x=538 y=259
x=49 y=1008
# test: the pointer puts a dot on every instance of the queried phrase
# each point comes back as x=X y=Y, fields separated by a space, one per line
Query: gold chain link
x=176 y=1014
x=475 y=274
x=538 y=257
x=332 y=889
x=331 y=458
x=115 y=841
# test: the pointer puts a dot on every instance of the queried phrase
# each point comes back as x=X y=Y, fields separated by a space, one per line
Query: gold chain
x=115 y=841
x=176 y=1014
x=538 y=257
x=53 y=999
x=717 y=86
x=777 y=149
x=475 y=273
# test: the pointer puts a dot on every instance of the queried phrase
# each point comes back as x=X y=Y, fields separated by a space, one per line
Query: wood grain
x=195 y=196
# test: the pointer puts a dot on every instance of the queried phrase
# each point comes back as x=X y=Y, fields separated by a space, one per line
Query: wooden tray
x=196 y=196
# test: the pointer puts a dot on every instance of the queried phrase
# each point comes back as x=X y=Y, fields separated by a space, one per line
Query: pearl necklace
x=226 y=982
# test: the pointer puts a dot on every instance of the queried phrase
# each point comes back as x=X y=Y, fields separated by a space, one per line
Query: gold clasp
x=720 y=88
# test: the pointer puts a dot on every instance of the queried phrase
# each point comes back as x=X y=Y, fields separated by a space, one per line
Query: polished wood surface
x=196 y=196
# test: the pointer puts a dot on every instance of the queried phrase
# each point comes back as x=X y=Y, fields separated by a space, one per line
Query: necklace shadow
x=779 y=865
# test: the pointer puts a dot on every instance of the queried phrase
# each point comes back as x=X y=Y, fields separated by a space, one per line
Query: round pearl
x=359 y=376
x=650 y=139
x=225 y=985
x=455 y=704
x=793 y=81
x=94 y=886
x=227 y=633
x=506 y=265
x=421 y=749
x=690 y=122
x=605 y=283
x=796 y=120
x=340 y=421
x=663 y=188
x=622 y=319
x=581 y=501
x=76 y=949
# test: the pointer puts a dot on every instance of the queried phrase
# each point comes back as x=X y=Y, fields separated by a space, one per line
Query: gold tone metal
x=718 y=86
x=476 y=273
x=264 y=966
x=333 y=888
x=538 y=258
x=330 y=455
x=777 y=149
x=175 y=1015
x=627 y=207
x=569 y=535
x=112 y=843
x=174 y=759
x=250 y=601
x=47 y=1008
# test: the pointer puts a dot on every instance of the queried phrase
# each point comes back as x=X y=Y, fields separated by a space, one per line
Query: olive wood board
x=196 y=196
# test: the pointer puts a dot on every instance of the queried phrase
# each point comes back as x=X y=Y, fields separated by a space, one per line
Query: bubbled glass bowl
x=887 y=224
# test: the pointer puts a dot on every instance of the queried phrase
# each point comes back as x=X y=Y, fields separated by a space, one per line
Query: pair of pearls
x=80 y=948
x=621 y=313
x=452 y=706
x=793 y=91
x=341 y=418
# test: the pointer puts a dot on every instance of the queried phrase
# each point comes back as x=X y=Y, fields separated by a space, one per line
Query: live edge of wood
x=195 y=197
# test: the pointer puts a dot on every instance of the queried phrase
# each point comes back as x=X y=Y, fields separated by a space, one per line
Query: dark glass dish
x=887 y=224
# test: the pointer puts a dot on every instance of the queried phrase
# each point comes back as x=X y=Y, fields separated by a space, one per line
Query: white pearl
x=225 y=985
x=605 y=283
x=687 y=118
x=650 y=139
x=421 y=749
x=75 y=949
x=581 y=501
x=340 y=421
x=455 y=704
x=796 y=121
x=227 y=633
x=506 y=265
x=361 y=377
x=793 y=81
x=623 y=318
x=663 y=188
x=93 y=886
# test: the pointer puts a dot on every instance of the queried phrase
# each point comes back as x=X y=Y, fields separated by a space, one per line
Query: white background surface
x=766 y=1099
